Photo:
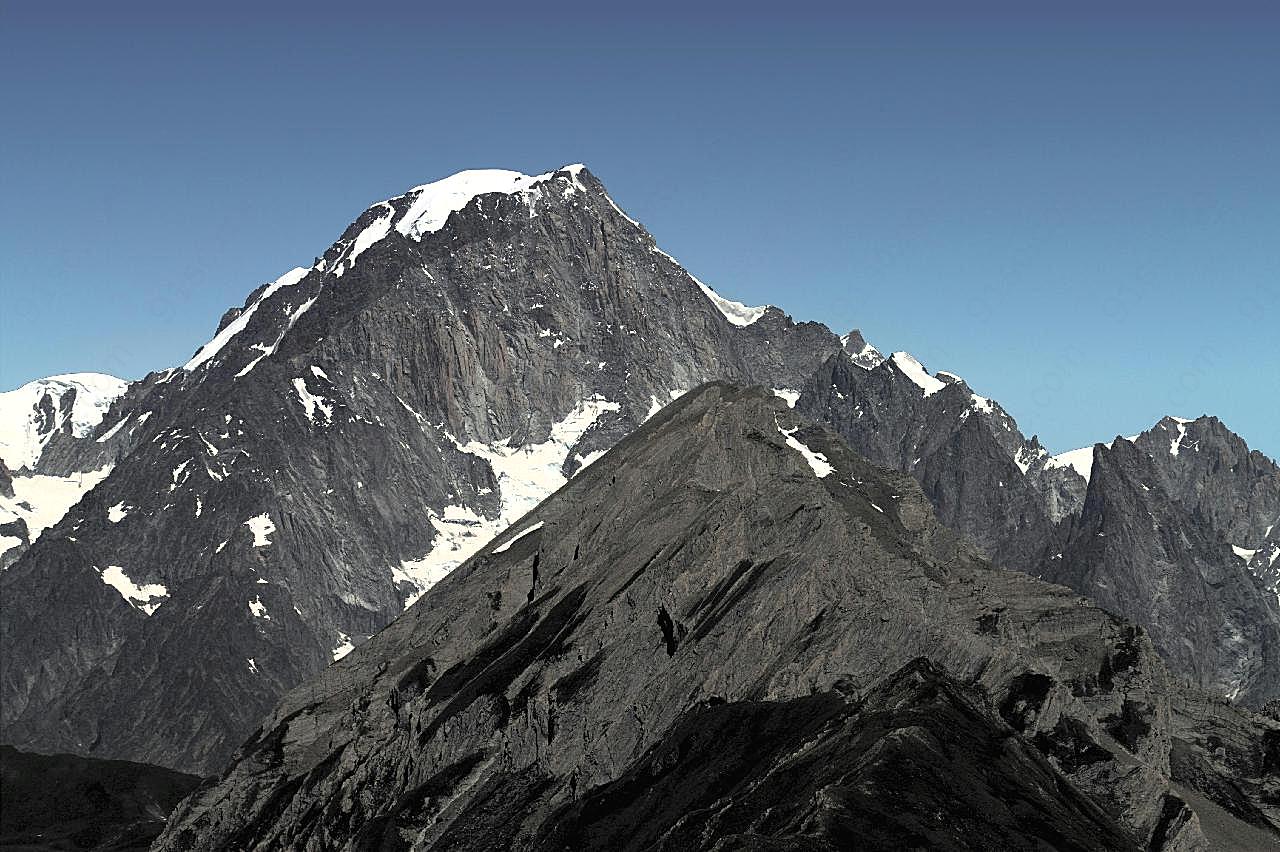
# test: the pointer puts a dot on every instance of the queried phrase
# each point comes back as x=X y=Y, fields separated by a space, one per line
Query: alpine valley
x=495 y=528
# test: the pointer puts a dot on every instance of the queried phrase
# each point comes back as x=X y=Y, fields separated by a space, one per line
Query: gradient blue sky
x=1077 y=210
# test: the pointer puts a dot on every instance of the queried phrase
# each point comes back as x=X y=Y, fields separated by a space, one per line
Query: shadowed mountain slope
x=65 y=802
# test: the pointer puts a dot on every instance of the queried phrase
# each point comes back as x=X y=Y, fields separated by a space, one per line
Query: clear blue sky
x=1077 y=210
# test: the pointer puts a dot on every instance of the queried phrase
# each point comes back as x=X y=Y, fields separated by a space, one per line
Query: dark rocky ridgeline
x=347 y=436
x=1175 y=529
x=68 y=802
x=733 y=632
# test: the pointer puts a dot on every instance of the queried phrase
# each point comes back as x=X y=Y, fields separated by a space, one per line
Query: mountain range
x=734 y=632
x=184 y=551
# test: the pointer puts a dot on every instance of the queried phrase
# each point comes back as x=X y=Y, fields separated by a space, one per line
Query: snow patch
x=312 y=403
x=373 y=233
x=266 y=350
x=258 y=609
x=1080 y=460
x=110 y=433
x=790 y=396
x=261 y=526
x=1243 y=553
x=868 y=357
x=503 y=548
x=1026 y=457
x=343 y=647
x=735 y=312
x=147 y=597
x=457 y=534
x=916 y=372
x=817 y=461
x=214 y=346
x=41 y=501
x=118 y=512
x=1176 y=444
x=589 y=459
x=526 y=476
x=434 y=203
x=981 y=403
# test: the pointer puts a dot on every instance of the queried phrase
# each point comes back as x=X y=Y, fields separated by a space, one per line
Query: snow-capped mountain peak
x=33 y=413
x=433 y=203
x=860 y=351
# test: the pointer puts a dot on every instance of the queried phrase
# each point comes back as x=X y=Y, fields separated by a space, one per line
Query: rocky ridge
x=586 y=680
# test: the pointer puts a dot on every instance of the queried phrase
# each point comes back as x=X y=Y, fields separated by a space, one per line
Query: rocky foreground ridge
x=733 y=632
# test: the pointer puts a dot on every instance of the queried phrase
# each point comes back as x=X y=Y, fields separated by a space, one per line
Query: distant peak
x=860 y=351
x=100 y=382
x=1081 y=461
x=24 y=429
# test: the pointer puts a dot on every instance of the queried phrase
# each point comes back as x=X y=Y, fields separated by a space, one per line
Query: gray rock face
x=1149 y=544
x=351 y=433
x=712 y=638
x=984 y=478
x=1148 y=536
x=1213 y=475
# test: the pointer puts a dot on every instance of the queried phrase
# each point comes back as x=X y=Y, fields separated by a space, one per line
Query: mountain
x=1168 y=528
x=348 y=436
x=985 y=479
x=47 y=458
x=731 y=631
x=67 y=802
x=359 y=427
x=1154 y=541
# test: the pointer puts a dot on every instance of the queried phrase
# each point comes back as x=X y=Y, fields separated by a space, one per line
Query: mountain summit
x=350 y=434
